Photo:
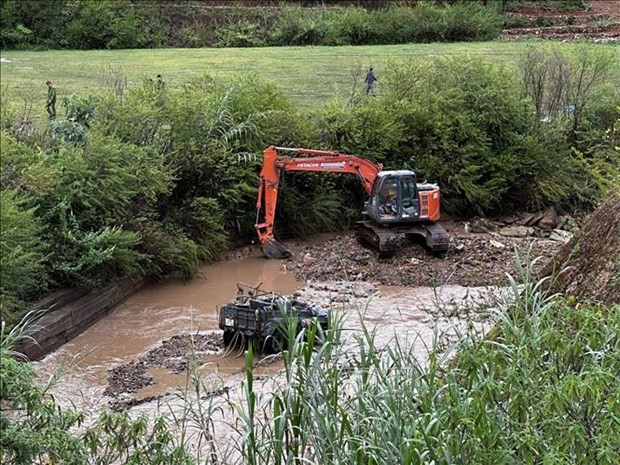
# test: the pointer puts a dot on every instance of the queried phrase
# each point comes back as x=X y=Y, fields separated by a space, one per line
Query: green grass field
x=309 y=75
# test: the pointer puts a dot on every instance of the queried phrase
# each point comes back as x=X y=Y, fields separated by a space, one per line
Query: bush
x=105 y=25
x=22 y=255
x=240 y=34
x=352 y=26
x=109 y=24
x=469 y=21
x=297 y=26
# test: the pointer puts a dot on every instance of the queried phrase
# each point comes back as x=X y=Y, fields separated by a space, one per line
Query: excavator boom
x=315 y=161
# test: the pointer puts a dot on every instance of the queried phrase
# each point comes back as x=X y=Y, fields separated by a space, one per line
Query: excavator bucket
x=274 y=249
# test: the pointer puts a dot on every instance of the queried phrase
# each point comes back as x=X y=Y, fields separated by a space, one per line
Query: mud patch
x=173 y=354
x=472 y=260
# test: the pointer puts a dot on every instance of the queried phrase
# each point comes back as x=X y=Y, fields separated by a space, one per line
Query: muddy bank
x=472 y=260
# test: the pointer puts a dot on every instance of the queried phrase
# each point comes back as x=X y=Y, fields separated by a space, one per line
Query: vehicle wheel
x=229 y=337
x=273 y=345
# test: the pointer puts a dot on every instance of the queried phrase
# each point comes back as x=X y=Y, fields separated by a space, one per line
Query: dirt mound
x=472 y=260
x=590 y=262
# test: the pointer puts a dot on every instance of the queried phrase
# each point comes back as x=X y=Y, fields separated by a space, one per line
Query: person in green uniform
x=51 y=100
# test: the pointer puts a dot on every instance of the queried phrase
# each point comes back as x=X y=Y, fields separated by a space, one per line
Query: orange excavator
x=397 y=206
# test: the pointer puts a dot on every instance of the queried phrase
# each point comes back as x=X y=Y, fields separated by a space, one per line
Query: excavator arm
x=310 y=160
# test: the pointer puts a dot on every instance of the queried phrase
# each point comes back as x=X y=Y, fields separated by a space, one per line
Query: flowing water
x=175 y=307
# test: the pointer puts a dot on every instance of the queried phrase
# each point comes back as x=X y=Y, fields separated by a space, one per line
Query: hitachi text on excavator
x=397 y=206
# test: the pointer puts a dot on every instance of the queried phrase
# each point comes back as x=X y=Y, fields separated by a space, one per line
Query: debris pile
x=472 y=260
x=173 y=354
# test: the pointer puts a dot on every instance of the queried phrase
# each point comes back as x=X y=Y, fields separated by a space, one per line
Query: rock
x=532 y=219
x=515 y=231
x=568 y=223
x=510 y=219
x=560 y=236
x=308 y=259
x=459 y=247
x=497 y=244
x=549 y=220
x=482 y=225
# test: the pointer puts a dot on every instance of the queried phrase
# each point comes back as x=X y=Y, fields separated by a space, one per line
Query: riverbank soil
x=543 y=20
x=473 y=259
x=588 y=267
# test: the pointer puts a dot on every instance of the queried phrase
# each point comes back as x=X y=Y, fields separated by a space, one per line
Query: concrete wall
x=68 y=313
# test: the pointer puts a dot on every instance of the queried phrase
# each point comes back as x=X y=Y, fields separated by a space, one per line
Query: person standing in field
x=51 y=100
x=370 y=82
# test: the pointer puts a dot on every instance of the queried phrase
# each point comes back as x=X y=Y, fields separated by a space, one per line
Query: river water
x=150 y=316
x=175 y=307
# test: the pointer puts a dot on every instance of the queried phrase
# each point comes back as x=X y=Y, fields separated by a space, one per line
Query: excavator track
x=387 y=240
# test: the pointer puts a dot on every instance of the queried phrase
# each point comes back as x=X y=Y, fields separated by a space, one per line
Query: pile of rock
x=546 y=223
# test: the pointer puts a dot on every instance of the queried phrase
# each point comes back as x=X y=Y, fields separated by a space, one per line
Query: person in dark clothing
x=50 y=106
x=370 y=82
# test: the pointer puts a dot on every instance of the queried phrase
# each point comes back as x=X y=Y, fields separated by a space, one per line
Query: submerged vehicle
x=264 y=317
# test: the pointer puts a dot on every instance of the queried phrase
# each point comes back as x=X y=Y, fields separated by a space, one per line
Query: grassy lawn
x=309 y=75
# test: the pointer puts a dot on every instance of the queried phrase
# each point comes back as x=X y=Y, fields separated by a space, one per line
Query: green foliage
x=240 y=34
x=25 y=23
x=464 y=124
x=80 y=109
x=37 y=429
x=106 y=182
x=114 y=24
x=150 y=443
x=8 y=113
x=94 y=258
x=354 y=26
x=25 y=168
x=68 y=131
x=104 y=24
x=22 y=254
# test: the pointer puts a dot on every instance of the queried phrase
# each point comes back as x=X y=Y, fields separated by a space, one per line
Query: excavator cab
x=394 y=198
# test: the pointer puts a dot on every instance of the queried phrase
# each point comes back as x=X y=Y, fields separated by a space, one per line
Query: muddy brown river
x=175 y=307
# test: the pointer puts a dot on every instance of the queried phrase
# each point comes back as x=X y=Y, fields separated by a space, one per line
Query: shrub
x=22 y=255
x=240 y=34
x=469 y=21
x=100 y=190
x=464 y=124
x=352 y=26
x=104 y=24
x=298 y=26
x=80 y=109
